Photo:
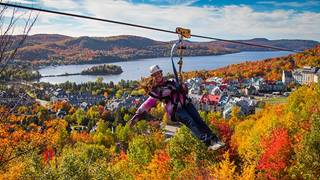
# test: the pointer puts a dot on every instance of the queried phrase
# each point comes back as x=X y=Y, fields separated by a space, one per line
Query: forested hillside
x=58 y=49
x=270 y=69
x=279 y=142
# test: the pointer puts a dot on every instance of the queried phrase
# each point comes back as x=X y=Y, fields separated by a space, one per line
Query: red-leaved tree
x=276 y=155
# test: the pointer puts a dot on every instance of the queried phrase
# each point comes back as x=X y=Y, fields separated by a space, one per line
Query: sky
x=228 y=19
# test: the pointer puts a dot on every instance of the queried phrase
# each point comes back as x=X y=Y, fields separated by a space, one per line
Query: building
x=216 y=91
x=250 y=90
x=287 y=77
x=210 y=99
x=246 y=106
x=306 y=75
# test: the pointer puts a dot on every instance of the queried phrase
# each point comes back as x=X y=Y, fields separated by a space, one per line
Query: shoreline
x=131 y=60
x=134 y=70
x=77 y=74
x=138 y=59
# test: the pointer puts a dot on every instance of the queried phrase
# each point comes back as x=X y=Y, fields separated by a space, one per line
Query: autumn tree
x=307 y=165
x=10 y=19
x=277 y=153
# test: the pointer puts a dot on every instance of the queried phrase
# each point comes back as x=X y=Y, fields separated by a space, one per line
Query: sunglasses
x=156 y=74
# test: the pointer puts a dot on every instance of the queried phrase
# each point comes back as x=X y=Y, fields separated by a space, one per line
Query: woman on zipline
x=178 y=107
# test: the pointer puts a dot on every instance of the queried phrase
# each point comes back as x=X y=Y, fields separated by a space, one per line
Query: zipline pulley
x=186 y=33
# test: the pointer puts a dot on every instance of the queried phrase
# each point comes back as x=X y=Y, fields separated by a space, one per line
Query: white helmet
x=154 y=69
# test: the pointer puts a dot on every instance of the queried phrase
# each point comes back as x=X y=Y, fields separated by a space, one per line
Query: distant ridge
x=48 y=49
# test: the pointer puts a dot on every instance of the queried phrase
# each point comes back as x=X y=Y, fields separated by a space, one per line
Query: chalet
x=194 y=85
x=194 y=81
x=234 y=82
x=195 y=90
x=208 y=88
x=297 y=76
x=76 y=99
x=216 y=91
x=232 y=91
x=13 y=99
x=247 y=106
x=210 y=99
x=269 y=86
x=223 y=100
x=195 y=98
x=112 y=105
x=245 y=83
x=58 y=95
x=306 y=75
x=212 y=83
x=3 y=94
x=223 y=87
x=216 y=80
x=79 y=128
x=287 y=77
x=250 y=90
x=61 y=114
x=127 y=102
x=84 y=105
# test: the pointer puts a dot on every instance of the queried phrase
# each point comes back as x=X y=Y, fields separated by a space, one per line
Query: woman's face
x=158 y=77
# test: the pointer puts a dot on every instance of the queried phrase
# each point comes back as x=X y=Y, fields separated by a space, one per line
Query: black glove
x=134 y=119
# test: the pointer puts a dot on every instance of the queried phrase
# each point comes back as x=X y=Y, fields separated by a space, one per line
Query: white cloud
x=20 y=1
x=175 y=2
x=230 y=22
x=61 y=4
x=290 y=4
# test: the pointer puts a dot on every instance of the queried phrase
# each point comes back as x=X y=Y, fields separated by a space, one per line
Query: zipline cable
x=142 y=26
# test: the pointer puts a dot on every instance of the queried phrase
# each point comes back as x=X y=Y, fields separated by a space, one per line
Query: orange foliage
x=276 y=156
x=61 y=105
x=159 y=168
x=81 y=137
x=270 y=69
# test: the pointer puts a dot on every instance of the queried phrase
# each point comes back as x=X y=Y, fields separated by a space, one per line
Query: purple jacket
x=167 y=93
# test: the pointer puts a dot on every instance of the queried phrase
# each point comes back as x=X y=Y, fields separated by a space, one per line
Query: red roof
x=210 y=83
x=136 y=102
x=223 y=86
x=211 y=99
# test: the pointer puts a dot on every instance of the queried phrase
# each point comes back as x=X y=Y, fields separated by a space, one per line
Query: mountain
x=45 y=49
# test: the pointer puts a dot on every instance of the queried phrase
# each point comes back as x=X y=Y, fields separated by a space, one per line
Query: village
x=211 y=95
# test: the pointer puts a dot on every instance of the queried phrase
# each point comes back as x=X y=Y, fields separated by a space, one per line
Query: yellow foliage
x=158 y=169
x=80 y=137
x=13 y=172
x=302 y=104
x=249 y=132
x=248 y=172
x=56 y=132
x=235 y=112
x=122 y=170
x=165 y=118
x=225 y=170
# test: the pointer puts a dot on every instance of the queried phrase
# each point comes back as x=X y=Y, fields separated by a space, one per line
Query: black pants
x=189 y=116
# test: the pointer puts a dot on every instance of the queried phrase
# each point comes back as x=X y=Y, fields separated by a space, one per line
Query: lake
x=135 y=69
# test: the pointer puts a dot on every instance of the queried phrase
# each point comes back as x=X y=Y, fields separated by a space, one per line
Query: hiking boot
x=215 y=145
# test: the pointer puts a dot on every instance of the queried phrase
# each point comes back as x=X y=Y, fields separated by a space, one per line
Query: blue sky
x=260 y=5
x=229 y=19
